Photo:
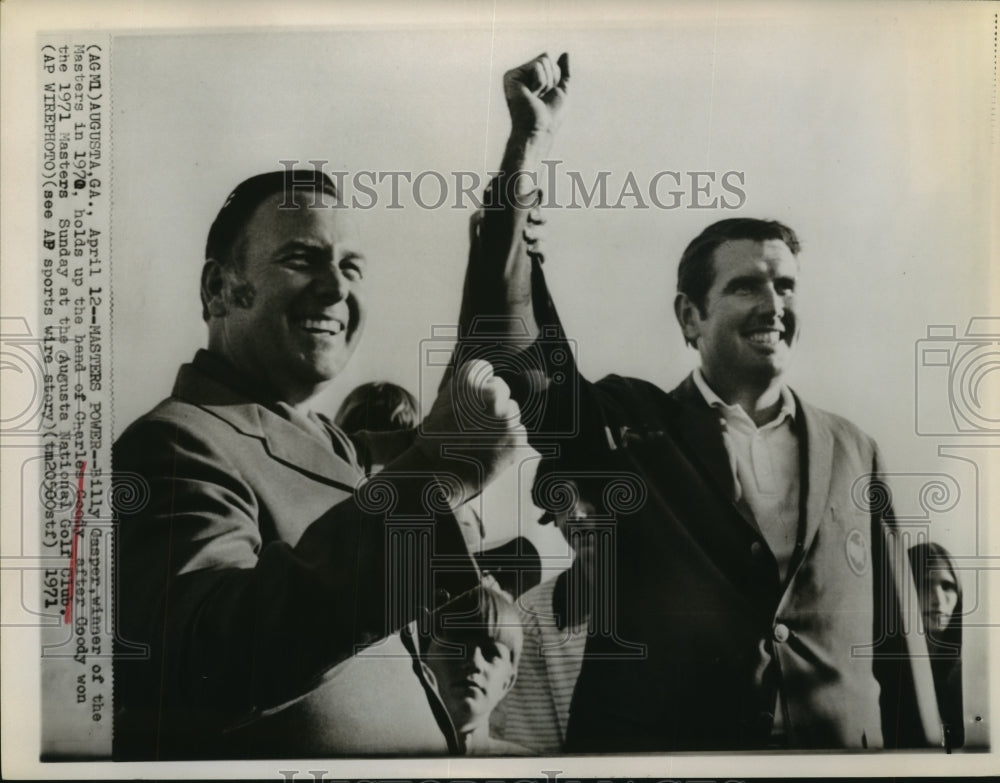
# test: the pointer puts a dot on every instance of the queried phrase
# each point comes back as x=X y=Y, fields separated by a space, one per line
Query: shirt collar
x=221 y=370
x=714 y=400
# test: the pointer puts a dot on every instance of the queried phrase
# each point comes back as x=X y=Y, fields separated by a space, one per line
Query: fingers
x=495 y=395
x=477 y=383
x=479 y=389
x=534 y=227
x=549 y=68
x=475 y=224
x=475 y=376
x=563 y=66
x=541 y=75
x=510 y=413
x=477 y=403
x=536 y=93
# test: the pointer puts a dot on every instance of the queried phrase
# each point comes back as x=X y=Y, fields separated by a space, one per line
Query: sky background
x=866 y=127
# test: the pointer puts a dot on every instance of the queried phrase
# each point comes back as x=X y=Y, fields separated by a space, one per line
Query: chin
x=325 y=368
x=761 y=372
x=462 y=720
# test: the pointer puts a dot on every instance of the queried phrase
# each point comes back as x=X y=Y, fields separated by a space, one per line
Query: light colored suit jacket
x=251 y=560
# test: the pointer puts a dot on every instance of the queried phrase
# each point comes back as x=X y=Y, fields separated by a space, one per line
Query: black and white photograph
x=548 y=390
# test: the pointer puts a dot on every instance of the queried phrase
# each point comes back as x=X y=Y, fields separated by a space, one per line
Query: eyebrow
x=354 y=255
x=742 y=280
x=313 y=246
x=755 y=279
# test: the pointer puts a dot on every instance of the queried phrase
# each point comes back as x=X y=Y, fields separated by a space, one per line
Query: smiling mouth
x=766 y=338
x=321 y=326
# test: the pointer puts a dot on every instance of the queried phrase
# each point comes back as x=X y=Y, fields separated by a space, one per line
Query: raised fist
x=474 y=427
x=536 y=95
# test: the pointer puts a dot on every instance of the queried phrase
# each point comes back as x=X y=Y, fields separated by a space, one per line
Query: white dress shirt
x=765 y=465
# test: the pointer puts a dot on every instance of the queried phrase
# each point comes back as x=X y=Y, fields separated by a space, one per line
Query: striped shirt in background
x=536 y=711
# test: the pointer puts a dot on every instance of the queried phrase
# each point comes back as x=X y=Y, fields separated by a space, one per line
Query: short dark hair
x=223 y=244
x=696 y=272
x=377 y=407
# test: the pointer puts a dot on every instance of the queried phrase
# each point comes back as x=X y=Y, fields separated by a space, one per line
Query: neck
x=264 y=389
x=761 y=401
x=472 y=736
x=298 y=401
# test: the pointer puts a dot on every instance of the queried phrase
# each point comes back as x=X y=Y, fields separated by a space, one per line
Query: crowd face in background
x=938 y=599
x=473 y=673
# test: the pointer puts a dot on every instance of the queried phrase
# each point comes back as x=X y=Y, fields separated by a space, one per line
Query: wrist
x=526 y=149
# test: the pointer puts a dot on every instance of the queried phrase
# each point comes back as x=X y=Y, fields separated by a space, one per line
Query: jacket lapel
x=699 y=430
x=698 y=427
x=284 y=441
x=817 y=470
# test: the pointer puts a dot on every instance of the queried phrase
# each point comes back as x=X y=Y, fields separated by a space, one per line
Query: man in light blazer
x=757 y=570
x=254 y=554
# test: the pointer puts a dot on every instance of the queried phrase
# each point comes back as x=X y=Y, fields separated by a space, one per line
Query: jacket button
x=756 y=550
x=781 y=632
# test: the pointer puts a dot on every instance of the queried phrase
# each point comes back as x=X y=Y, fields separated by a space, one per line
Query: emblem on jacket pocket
x=857 y=552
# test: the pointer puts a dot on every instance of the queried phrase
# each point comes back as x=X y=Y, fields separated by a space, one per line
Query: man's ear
x=688 y=317
x=510 y=682
x=213 y=289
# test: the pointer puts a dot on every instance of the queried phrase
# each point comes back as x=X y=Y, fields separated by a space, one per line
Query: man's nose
x=772 y=300
x=477 y=659
x=330 y=283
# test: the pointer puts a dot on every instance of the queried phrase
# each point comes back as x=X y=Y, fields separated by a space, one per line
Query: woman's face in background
x=938 y=599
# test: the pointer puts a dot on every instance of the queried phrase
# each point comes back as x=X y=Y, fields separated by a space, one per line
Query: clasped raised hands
x=474 y=428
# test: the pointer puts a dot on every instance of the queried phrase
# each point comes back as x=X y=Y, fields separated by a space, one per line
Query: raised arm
x=498 y=284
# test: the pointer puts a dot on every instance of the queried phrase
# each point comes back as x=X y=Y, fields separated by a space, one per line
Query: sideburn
x=242 y=295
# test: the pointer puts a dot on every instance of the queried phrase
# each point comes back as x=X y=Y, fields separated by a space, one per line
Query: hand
x=475 y=402
x=536 y=97
x=534 y=231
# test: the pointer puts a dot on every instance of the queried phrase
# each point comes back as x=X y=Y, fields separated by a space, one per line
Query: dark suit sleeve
x=232 y=625
x=508 y=318
x=498 y=279
x=499 y=319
